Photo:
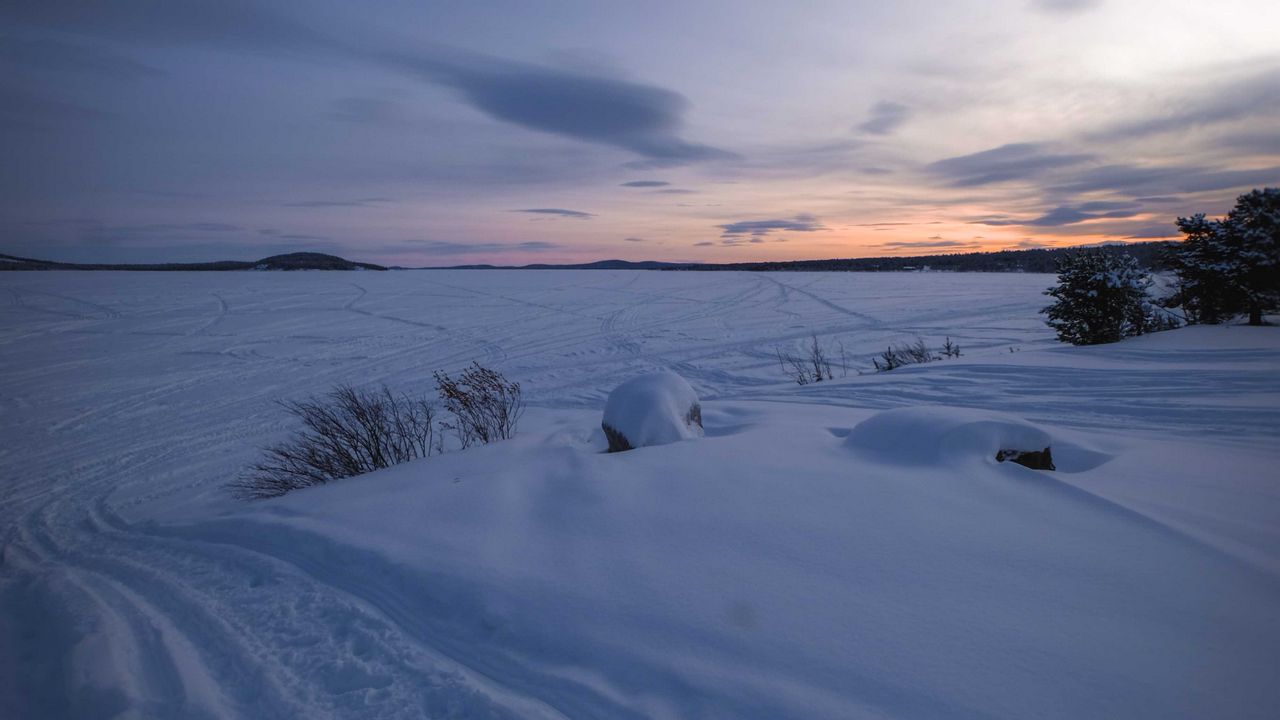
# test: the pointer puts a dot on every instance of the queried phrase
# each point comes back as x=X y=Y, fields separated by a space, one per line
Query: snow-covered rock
x=653 y=409
x=938 y=435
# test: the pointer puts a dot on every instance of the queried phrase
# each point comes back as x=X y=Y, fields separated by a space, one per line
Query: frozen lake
x=170 y=379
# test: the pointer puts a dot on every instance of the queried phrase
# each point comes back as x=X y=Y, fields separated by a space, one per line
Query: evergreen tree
x=1099 y=298
x=1230 y=266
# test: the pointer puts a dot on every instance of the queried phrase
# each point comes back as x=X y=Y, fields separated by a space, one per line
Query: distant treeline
x=1036 y=260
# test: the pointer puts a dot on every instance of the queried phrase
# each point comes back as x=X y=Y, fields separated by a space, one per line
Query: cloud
x=364 y=110
x=1069 y=214
x=1064 y=6
x=1152 y=232
x=1255 y=95
x=578 y=214
x=231 y=23
x=164 y=240
x=645 y=183
x=760 y=228
x=885 y=117
x=118 y=233
x=875 y=171
x=676 y=191
x=1254 y=143
x=803 y=160
x=889 y=224
x=21 y=110
x=1056 y=217
x=1105 y=206
x=1017 y=161
x=1115 y=228
x=447 y=247
x=45 y=53
x=634 y=239
x=199 y=227
x=643 y=119
x=931 y=243
x=359 y=202
x=704 y=243
x=1164 y=180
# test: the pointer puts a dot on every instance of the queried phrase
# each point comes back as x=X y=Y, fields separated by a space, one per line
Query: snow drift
x=653 y=409
x=952 y=435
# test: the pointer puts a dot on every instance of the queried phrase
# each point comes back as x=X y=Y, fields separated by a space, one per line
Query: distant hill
x=311 y=261
x=290 y=261
x=1037 y=260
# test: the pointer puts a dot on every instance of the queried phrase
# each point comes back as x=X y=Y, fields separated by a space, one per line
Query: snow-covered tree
x=1099 y=298
x=1230 y=266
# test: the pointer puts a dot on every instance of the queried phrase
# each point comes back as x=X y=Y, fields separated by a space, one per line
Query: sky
x=443 y=133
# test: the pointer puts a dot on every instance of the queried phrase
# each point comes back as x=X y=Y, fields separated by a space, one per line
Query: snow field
x=844 y=549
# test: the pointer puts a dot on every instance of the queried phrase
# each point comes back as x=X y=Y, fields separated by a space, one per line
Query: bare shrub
x=485 y=406
x=916 y=353
x=347 y=432
x=812 y=366
x=950 y=349
x=888 y=360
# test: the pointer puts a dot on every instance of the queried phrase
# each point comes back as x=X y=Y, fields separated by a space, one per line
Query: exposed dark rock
x=617 y=441
x=1034 y=459
x=694 y=416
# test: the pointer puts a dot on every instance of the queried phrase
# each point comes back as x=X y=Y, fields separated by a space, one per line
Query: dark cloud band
x=760 y=228
x=561 y=212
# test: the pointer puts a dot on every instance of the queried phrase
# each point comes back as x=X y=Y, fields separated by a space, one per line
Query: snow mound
x=653 y=409
x=946 y=435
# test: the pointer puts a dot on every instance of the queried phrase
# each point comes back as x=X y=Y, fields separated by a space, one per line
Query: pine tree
x=1099 y=298
x=1230 y=266
x=1254 y=228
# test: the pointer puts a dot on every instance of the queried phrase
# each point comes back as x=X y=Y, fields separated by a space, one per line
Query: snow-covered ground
x=844 y=549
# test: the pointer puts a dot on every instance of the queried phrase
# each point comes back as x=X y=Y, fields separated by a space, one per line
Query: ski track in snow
x=131 y=398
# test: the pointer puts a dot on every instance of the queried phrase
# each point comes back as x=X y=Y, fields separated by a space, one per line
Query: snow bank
x=772 y=573
x=653 y=409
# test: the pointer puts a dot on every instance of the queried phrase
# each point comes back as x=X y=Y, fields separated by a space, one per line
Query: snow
x=653 y=409
x=930 y=435
x=847 y=548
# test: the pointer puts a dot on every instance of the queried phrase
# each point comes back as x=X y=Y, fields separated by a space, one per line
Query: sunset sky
x=441 y=133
